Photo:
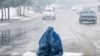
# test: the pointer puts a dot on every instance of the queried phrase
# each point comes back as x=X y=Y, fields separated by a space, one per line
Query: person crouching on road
x=50 y=44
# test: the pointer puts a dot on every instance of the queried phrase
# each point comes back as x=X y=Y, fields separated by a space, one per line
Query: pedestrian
x=50 y=44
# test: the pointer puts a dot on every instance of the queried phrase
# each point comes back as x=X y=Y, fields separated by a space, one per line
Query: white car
x=49 y=13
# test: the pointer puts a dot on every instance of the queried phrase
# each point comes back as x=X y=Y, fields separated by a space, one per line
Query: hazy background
x=70 y=3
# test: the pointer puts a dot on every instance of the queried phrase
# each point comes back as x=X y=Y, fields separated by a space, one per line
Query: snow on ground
x=2 y=24
x=65 y=54
x=72 y=54
x=26 y=19
x=32 y=15
x=13 y=13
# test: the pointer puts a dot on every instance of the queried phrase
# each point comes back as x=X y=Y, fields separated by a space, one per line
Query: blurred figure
x=50 y=44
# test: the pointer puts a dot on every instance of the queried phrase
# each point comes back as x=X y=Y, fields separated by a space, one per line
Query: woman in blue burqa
x=50 y=44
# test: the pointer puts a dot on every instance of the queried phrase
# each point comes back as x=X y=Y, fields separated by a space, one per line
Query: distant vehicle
x=49 y=13
x=88 y=16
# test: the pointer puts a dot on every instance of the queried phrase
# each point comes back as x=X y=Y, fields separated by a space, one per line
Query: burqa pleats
x=50 y=44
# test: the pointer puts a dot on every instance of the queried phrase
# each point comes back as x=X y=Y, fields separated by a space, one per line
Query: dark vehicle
x=88 y=16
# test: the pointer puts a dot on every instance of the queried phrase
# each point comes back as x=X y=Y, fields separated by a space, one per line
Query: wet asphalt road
x=76 y=37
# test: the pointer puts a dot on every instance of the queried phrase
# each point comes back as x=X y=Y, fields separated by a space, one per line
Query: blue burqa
x=50 y=44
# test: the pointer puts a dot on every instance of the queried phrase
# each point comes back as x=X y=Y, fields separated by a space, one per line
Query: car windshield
x=48 y=10
x=88 y=16
x=88 y=12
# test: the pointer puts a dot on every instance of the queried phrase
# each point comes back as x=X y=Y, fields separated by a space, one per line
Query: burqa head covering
x=49 y=42
x=50 y=29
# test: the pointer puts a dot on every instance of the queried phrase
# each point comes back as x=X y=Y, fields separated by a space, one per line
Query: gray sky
x=77 y=1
